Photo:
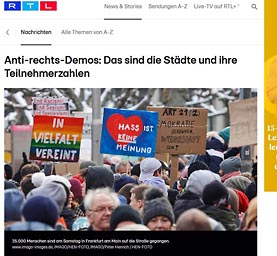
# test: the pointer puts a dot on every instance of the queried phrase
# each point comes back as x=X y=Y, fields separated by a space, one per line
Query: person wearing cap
x=230 y=167
x=151 y=173
x=149 y=167
x=216 y=144
x=217 y=149
x=13 y=200
x=158 y=214
x=41 y=208
x=191 y=196
x=225 y=134
x=124 y=215
x=216 y=198
x=58 y=188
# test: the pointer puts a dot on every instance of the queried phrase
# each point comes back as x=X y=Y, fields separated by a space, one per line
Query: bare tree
x=19 y=99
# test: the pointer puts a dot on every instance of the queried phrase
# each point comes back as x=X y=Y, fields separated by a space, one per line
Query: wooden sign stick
x=174 y=169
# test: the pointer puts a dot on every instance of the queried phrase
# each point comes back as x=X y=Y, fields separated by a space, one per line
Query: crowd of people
x=212 y=192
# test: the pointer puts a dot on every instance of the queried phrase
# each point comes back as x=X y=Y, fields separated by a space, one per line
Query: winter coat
x=224 y=215
x=215 y=148
x=69 y=217
x=186 y=201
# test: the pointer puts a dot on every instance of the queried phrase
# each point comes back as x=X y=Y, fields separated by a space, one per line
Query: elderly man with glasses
x=99 y=204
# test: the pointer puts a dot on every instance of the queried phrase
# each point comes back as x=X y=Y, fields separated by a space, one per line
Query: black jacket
x=186 y=201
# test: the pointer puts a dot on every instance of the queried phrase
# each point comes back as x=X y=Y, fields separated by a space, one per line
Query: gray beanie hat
x=231 y=164
x=198 y=180
x=54 y=190
x=157 y=207
x=238 y=182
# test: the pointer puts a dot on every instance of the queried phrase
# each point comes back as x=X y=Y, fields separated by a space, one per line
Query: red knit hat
x=76 y=189
x=79 y=177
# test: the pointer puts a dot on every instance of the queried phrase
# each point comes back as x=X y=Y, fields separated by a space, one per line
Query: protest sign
x=181 y=130
x=56 y=138
x=51 y=106
x=87 y=123
x=129 y=132
x=20 y=142
x=67 y=168
x=243 y=121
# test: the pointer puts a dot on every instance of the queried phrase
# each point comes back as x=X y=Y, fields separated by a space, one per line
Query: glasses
x=102 y=210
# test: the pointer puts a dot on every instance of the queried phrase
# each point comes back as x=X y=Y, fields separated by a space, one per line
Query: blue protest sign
x=129 y=132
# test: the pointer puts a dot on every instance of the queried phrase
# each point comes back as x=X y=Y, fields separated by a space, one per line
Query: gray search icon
x=254 y=6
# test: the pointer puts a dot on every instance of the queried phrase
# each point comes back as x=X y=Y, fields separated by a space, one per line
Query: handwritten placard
x=181 y=130
x=243 y=120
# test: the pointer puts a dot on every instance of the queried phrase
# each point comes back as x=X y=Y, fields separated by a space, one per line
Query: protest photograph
x=178 y=161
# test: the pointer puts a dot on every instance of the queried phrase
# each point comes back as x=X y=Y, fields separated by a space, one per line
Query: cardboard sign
x=51 y=106
x=163 y=157
x=129 y=132
x=56 y=138
x=243 y=121
x=181 y=130
x=66 y=168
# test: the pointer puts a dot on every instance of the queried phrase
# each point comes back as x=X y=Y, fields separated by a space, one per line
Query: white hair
x=92 y=193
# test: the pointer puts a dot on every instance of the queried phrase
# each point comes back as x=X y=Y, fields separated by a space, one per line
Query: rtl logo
x=30 y=5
